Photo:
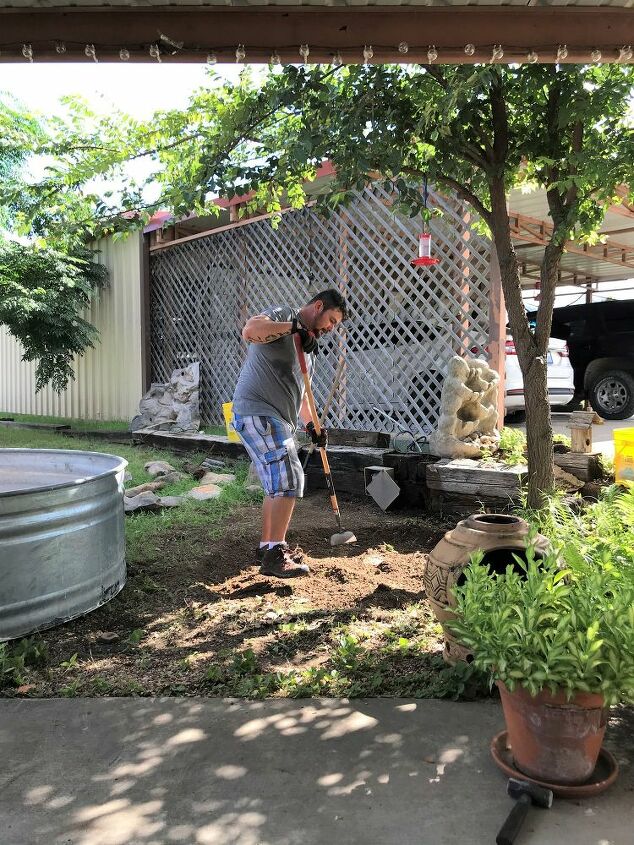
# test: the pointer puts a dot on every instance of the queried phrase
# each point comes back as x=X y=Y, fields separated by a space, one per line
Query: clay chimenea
x=499 y=536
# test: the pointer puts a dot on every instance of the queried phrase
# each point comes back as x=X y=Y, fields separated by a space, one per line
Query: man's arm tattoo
x=270 y=337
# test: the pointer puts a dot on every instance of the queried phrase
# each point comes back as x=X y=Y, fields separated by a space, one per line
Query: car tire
x=611 y=394
x=515 y=417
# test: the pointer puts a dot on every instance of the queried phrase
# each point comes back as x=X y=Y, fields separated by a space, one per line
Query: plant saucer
x=602 y=777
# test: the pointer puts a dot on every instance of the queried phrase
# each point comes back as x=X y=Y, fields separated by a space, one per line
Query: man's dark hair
x=331 y=298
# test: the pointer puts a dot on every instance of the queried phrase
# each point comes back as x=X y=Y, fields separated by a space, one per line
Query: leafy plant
x=32 y=650
x=464 y=682
x=71 y=690
x=625 y=506
x=588 y=532
x=346 y=652
x=42 y=292
x=10 y=667
x=14 y=660
x=134 y=637
x=512 y=446
x=245 y=662
x=101 y=686
x=69 y=664
x=538 y=625
x=607 y=466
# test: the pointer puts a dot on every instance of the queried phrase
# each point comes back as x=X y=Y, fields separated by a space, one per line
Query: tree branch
x=468 y=195
x=500 y=122
x=547 y=289
x=436 y=74
x=576 y=143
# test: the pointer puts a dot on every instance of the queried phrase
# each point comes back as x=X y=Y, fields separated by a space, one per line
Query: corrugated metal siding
x=108 y=378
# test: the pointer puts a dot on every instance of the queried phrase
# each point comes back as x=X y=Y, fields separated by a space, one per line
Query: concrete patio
x=277 y=772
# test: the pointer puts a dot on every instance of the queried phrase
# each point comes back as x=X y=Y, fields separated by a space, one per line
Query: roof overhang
x=191 y=32
x=609 y=260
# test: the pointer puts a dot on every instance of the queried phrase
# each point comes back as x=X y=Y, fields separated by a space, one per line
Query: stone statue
x=174 y=406
x=468 y=411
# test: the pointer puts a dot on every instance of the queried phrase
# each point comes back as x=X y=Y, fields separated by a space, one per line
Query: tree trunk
x=532 y=359
x=539 y=432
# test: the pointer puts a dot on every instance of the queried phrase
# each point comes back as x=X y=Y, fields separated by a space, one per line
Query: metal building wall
x=108 y=378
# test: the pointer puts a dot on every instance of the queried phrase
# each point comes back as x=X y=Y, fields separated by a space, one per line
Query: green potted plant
x=559 y=643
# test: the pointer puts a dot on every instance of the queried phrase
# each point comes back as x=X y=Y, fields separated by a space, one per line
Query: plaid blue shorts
x=271 y=445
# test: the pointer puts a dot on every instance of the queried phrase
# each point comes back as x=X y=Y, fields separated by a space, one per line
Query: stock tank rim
x=72 y=482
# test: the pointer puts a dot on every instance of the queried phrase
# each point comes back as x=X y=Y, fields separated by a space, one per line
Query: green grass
x=27 y=438
x=74 y=422
x=361 y=656
x=190 y=526
x=90 y=425
x=145 y=530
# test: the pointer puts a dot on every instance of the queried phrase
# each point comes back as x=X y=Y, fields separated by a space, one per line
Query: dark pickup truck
x=600 y=337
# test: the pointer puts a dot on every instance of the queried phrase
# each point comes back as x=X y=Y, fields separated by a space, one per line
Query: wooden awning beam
x=531 y=270
x=538 y=232
x=326 y=31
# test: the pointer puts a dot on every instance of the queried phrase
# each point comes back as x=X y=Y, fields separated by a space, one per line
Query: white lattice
x=405 y=322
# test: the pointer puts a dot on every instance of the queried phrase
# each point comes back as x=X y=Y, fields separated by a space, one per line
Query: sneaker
x=297 y=554
x=279 y=562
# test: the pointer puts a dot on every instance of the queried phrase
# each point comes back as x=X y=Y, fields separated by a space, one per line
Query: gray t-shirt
x=270 y=383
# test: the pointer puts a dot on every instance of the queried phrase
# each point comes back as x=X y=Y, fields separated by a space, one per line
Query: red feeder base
x=425 y=262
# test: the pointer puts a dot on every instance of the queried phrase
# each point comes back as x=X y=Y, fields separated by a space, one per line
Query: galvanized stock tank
x=62 y=543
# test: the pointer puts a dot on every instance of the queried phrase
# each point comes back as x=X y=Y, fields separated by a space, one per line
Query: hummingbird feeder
x=424 y=241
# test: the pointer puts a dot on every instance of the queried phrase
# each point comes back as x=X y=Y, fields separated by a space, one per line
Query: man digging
x=267 y=401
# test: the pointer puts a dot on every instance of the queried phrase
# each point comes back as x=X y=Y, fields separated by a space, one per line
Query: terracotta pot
x=553 y=739
x=498 y=535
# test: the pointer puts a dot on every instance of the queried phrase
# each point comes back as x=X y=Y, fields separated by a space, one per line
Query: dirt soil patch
x=209 y=623
x=389 y=557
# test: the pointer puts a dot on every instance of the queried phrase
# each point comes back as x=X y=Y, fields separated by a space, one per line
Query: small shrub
x=590 y=532
x=69 y=664
x=71 y=690
x=512 y=446
x=15 y=660
x=134 y=637
x=101 y=686
x=538 y=625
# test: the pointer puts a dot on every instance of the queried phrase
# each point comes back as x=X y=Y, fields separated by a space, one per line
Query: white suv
x=559 y=374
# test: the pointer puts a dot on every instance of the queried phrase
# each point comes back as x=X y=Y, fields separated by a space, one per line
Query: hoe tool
x=343 y=537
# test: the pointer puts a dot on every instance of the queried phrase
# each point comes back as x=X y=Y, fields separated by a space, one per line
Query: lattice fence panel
x=405 y=323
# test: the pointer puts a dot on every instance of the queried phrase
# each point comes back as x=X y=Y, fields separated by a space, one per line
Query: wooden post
x=342 y=342
x=580 y=426
x=497 y=329
x=146 y=315
x=465 y=236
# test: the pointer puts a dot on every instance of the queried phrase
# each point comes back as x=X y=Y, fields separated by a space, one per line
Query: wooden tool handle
x=326 y=408
x=315 y=418
x=309 y=391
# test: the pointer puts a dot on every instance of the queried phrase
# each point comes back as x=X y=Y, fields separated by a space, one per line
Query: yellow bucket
x=227 y=410
x=623 y=455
